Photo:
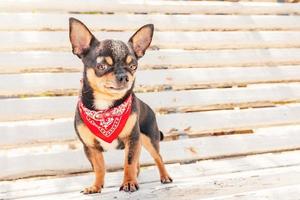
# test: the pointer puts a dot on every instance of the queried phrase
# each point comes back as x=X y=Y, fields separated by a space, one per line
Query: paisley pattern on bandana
x=106 y=124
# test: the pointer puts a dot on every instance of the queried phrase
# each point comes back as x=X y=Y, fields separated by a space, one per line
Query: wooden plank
x=59 y=40
x=58 y=83
x=24 y=132
x=66 y=61
x=214 y=187
x=162 y=102
x=263 y=182
x=60 y=159
x=117 y=6
x=28 y=132
x=121 y=22
x=290 y=192
x=204 y=169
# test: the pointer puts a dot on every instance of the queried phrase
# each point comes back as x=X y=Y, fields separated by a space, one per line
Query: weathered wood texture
x=36 y=83
x=182 y=123
x=215 y=70
x=59 y=41
x=60 y=159
x=126 y=22
x=136 y=6
x=37 y=61
x=271 y=175
x=163 y=102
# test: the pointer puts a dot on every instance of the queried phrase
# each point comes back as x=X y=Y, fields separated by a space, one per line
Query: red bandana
x=106 y=124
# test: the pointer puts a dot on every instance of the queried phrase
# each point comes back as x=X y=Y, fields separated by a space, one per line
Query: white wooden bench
x=223 y=78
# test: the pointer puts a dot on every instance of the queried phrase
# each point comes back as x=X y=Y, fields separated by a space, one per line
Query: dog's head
x=109 y=65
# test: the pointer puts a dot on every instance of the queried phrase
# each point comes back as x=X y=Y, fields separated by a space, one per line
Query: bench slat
x=186 y=7
x=100 y=22
x=59 y=40
x=37 y=84
x=289 y=192
x=209 y=169
x=198 y=123
x=275 y=184
x=167 y=101
x=37 y=162
x=66 y=61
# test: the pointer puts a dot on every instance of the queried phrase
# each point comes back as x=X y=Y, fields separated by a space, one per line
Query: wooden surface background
x=222 y=76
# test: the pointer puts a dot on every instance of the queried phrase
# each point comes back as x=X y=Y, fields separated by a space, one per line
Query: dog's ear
x=141 y=40
x=80 y=37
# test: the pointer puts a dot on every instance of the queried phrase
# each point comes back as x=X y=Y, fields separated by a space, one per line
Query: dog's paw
x=129 y=186
x=166 y=179
x=92 y=189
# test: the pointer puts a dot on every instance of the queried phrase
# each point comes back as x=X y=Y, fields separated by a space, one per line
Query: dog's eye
x=133 y=67
x=101 y=66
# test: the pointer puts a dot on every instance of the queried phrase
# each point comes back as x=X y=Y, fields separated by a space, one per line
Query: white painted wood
x=24 y=132
x=43 y=83
x=60 y=159
x=121 y=22
x=214 y=186
x=290 y=192
x=203 y=169
x=218 y=121
x=173 y=101
x=65 y=61
x=195 y=7
x=198 y=123
x=59 y=40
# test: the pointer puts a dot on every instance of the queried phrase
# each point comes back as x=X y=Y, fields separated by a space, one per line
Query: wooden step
x=136 y=6
x=290 y=192
x=162 y=102
x=206 y=171
x=150 y=80
x=58 y=159
x=271 y=184
x=193 y=124
x=123 y=22
x=59 y=40
x=67 y=62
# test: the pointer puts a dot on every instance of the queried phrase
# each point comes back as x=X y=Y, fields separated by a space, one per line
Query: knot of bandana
x=106 y=124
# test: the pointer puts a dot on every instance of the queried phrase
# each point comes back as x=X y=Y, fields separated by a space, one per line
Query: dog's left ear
x=141 y=40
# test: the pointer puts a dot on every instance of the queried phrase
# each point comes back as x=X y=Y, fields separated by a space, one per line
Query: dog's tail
x=161 y=136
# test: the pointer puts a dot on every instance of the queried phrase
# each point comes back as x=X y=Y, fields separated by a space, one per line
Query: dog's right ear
x=80 y=37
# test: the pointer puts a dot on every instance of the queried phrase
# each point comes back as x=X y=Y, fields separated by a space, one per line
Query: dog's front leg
x=132 y=155
x=96 y=159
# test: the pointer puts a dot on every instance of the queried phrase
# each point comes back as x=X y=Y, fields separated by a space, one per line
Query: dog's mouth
x=116 y=88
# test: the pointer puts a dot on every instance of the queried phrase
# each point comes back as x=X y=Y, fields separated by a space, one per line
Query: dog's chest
x=108 y=146
x=102 y=104
x=89 y=138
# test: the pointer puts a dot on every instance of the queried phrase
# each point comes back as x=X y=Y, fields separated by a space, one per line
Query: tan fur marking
x=131 y=170
x=109 y=60
x=98 y=166
x=98 y=84
x=86 y=135
x=95 y=157
x=89 y=138
x=128 y=126
x=128 y=59
x=157 y=158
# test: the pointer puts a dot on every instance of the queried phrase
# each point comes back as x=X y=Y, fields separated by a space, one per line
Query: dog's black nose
x=122 y=78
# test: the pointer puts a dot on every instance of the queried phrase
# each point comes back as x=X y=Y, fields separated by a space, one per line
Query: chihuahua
x=108 y=113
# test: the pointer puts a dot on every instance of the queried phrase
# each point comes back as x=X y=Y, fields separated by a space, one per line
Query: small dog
x=108 y=114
